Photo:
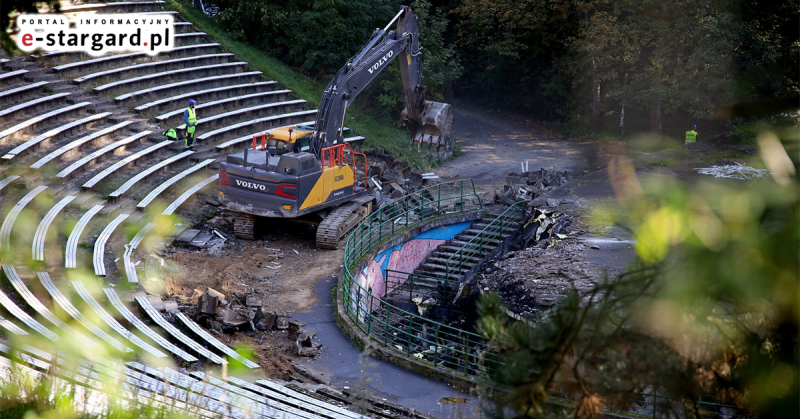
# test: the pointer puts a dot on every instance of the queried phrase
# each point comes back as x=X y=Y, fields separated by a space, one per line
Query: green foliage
x=709 y=308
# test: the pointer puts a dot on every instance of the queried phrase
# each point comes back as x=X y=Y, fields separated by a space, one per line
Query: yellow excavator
x=310 y=172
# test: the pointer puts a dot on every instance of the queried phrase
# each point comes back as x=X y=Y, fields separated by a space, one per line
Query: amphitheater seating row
x=212 y=341
x=12 y=78
x=180 y=100
x=65 y=150
x=91 y=183
x=236 y=102
x=71 y=252
x=42 y=120
x=111 y=60
x=154 y=66
x=224 y=119
x=11 y=307
x=11 y=218
x=103 y=152
x=187 y=85
x=156 y=168
x=170 y=182
x=98 y=255
x=191 y=191
x=57 y=133
x=256 y=125
x=130 y=267
x=201 y=71
x=7 y=97
x=10 y=113
x=37 y=248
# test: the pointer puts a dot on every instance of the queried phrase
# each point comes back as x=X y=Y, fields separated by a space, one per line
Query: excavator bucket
x=431 y=128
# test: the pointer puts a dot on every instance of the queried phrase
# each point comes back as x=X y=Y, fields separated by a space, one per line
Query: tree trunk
x=595 y=97
x=655 y=117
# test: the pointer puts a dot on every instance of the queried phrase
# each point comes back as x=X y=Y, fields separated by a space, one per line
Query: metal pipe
x=397 y=16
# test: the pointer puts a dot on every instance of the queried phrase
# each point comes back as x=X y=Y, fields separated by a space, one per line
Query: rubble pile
x=548 y=227
x=733 y=171
x=396 y=182
x=529 y=185
x=243 y=313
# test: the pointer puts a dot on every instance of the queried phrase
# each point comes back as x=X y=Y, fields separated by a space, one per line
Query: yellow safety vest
x=691 y=136
x=192 y=116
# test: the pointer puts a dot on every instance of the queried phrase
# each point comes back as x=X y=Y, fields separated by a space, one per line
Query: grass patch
x=381 y=136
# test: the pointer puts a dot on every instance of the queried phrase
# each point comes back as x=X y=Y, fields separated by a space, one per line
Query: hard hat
x=192 y=102
x=693 y=126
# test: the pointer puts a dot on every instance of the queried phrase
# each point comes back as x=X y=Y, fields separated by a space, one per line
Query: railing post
x=408 y=335
x=439 y=199
x=461 y=195
x=368 y=315
x=386 y=328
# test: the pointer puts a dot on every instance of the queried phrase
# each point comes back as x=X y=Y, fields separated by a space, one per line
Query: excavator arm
x=428 y=122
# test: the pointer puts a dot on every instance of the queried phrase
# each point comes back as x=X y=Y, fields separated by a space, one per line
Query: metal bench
x=127 y=6
x=89 y=299
x=39 y=238
x=91 y=183
x=108 y=61
x=141 y=69
x=190 y=38
x=66 y=148
x=54 y=134
x=9 y=326
x=148 y=172
x=7 y=181
x=113 y=147
x=12 y=78
x=261 y=124
x=205 y=95
x=237 y=115
x=272 y=96
x=115 y=301
x=10 y=306
x=176 y=334
x=31 y=106
x=9 y=96
x=71 y=253
x=130 y=267
x=62 y=301
x=100 y=245
x=171 y=181
x=201 y=71
x=190 y=85
x=36 y=122
x=11 y=218
x=22 y=290
x=211 y=340
x=185 y=196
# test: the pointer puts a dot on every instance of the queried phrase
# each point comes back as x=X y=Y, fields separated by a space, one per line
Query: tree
x=9 y=8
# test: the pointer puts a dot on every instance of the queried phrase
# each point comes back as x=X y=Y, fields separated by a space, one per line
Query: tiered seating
x=123 y=310
x=91 y=183
x=130 y=267
x=9 y=326
x=202 y=71
x=173 y=117
x=89 y=139
x=179 y=101
x=41 y=231
x=96 y=155
x=62 y=301
x=88 y=298
x=115 y=7
x=113 y=196
x=31 y=106
x=7 y=181
x=256 y=125
x=190 y=38
x=12 y=78
x=100 y=245
x=11 y=307
x=7 y=97
x=71 y=253
x=22 y=290
x=191 y=191
x=41 y=120
x=155 y=66
x=170 y=182
x=210 y=340
x=57 y=133
x=176 y=334
x=227 y=118
x=11 y=218
x=122 y=59
x=140 y=96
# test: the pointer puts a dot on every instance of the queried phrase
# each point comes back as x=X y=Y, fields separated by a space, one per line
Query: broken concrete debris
x=737 y=171
x=527 y=186
x=398 y=181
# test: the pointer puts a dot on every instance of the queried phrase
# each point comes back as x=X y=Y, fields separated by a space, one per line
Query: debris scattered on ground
x=733 y=171
x=398 y=181
x=527 y=186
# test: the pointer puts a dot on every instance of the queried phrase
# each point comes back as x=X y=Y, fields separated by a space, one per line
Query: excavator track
x=340 y=222
x=243 y=226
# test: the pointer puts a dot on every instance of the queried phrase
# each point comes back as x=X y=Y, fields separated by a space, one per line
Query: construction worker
x=190 y=119
x=691 y=135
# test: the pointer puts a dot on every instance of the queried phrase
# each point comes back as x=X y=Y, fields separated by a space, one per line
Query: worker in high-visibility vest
x=190 y=119
x=691 y=135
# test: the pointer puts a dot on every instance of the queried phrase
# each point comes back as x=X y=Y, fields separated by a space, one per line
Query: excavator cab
x=284 y=140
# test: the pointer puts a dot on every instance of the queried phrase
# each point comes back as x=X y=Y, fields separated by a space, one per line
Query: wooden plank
x=11 y=218
x=115 y=301
x=184 y=196
x=154 y=315
x=122 y=163
x=96 y=154
x=101 y=312
x=49 y=135
x=71 y=253
x=211 y=340
x=22 y=290
x=100 y=245
x=171 y=181
x=130 y=268
x=64 y=302
x=39 y=238
x=79 y=142
x=147 y=172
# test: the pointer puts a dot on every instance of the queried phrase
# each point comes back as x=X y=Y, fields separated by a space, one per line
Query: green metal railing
x=402 y=331
x=489 y=237
x=420 y=285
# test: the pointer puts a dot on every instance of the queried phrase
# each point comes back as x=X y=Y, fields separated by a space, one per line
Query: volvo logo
x=251 y=185
x=381 y=62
